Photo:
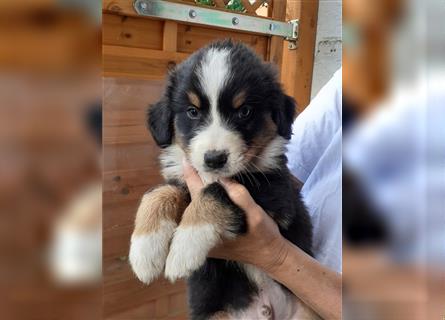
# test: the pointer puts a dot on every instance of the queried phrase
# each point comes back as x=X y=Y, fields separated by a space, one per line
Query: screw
x=292 y=45
x=235 y=21
x=272 y=27
x=143 y=5
x=192 y=14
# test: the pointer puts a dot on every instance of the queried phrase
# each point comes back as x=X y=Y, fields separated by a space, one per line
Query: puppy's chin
x=213 y=176
x=210 y=176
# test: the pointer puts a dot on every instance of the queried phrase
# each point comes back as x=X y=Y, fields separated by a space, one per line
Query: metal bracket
x=292 y=45
x=216 y=18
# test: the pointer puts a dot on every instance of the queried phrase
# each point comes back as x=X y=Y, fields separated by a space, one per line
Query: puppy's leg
x=209 y=218
x=156 y=220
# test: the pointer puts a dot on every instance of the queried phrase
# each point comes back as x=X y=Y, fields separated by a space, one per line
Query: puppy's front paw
x=149 y=251
x=189 y=249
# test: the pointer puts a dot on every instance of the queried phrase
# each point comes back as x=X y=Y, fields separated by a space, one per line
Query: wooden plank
x=129 y=157
x=299 y=63
x=170 y=39
x=251 y=8
x=120 y=296
x=192 y=38
x=125 y=134
x=138 y=63
x=220 y=3
x=124 y=7
x=162 y=307
x=126 y=101
x=115 y=180
x=132 y=32
x=119 y=214
x=276 y=42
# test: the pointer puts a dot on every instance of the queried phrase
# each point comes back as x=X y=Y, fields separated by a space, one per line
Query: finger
x=239 y=195
x=191 y=177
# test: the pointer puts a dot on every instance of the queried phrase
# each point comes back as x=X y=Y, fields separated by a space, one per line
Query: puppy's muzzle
x=215 y=159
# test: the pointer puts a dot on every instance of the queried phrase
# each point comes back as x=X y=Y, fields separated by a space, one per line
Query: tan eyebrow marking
x=239 y=99
x=194 y=99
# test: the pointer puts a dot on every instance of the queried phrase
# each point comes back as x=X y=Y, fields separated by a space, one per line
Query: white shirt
x=315 y=158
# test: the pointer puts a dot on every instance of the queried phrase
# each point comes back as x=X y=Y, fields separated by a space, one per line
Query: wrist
x=277 y=254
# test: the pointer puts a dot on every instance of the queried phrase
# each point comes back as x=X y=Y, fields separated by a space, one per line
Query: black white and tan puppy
x=225 y=112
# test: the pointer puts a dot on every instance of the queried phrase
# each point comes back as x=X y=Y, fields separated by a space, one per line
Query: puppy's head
x=225 y=108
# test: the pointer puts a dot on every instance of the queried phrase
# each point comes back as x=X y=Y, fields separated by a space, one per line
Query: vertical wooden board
x=276 y=42
x=297 y=79
x=170 y=37
x=130 y=169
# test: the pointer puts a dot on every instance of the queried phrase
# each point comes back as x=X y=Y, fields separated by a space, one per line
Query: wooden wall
x=130 y=169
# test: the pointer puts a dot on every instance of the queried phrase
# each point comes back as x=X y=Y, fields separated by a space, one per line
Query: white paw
x=149 y=251
x=189 y=249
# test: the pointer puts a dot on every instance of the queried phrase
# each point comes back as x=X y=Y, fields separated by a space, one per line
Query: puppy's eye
x=193 y=113
x=245 y=112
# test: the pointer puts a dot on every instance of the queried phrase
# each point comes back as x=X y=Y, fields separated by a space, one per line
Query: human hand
x=262 y=246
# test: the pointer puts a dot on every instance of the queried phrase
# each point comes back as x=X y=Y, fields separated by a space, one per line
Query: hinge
x=216 y=18
x=292 y=45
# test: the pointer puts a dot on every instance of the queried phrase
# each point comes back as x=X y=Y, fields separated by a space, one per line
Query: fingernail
x=225 y=181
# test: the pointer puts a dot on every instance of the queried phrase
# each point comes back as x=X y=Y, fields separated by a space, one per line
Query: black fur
x=219 y=285
x=284 y=116
x=160 y=123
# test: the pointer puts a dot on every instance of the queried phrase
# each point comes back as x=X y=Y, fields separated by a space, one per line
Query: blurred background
x=51 y=97
x=393 y=159
x=50 y=159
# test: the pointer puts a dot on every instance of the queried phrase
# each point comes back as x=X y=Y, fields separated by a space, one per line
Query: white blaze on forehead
x=213 y=75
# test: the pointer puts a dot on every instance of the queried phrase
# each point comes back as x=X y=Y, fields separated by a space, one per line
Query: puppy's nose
x=215 y=159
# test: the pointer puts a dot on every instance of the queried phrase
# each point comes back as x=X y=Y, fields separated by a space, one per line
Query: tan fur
x=239 y=99
x=260 y=142
x=206 y=210
x=163 y=203
x=194 y=99
x=179 y=140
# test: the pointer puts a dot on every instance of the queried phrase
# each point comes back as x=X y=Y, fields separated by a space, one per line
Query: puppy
x=225 y=112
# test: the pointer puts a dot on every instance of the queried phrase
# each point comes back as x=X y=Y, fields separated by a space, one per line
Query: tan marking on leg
x=207 y=210
x=163 y=203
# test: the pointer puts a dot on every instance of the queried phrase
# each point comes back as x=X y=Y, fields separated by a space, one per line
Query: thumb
x=191 y=177
x=239 y=195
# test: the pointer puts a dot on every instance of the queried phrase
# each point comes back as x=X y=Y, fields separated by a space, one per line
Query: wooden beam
x=170 y=39
x=276 y=43
x=137 y=63
x=123 y=7
x=299 y=63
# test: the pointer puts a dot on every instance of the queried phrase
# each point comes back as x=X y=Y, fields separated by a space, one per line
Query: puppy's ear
x=160 y=115
x=160 y=122
x=283 y=116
